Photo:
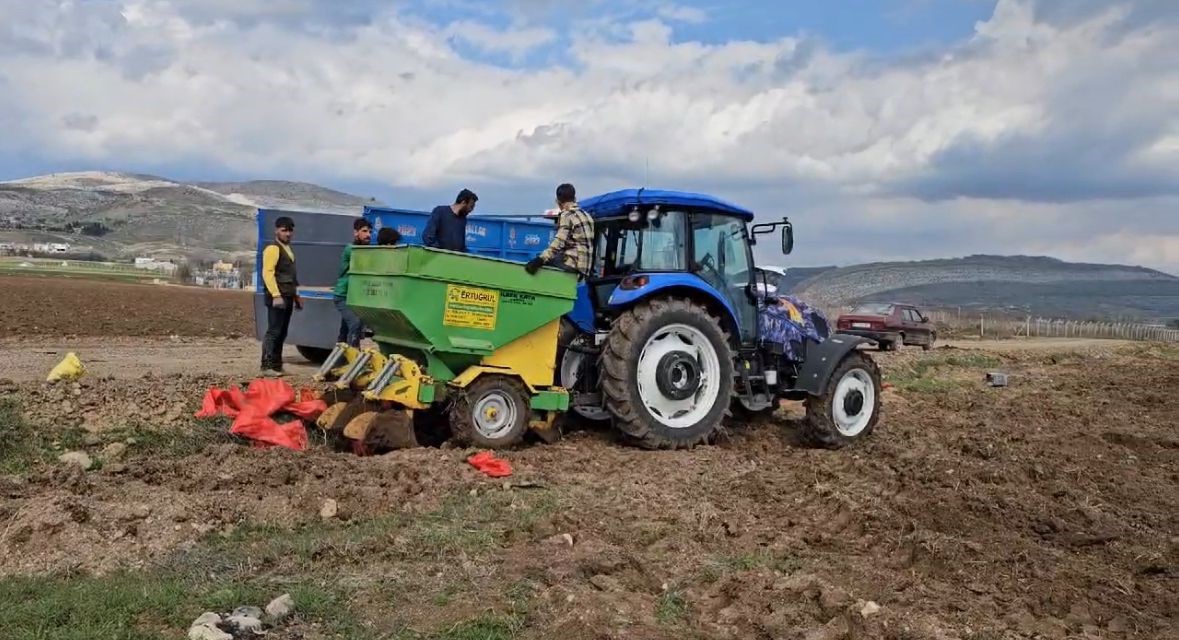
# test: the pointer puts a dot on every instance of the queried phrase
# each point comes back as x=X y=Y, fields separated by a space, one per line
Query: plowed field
x=1047 y=509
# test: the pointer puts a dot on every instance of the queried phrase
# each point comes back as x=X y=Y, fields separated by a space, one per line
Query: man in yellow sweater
x=281 y=296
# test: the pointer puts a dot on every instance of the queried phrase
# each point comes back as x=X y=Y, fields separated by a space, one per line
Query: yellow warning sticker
x=470 y=307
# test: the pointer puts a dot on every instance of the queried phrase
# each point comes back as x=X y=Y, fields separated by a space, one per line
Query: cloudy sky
x=897 y=129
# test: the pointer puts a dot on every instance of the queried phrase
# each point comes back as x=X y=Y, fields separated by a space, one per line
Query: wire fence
x=951 y=323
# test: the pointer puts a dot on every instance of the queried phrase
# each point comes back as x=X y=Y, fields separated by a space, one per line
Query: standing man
x=572 y=247
x=447 y=228
x=351 y=328
x=282 y=294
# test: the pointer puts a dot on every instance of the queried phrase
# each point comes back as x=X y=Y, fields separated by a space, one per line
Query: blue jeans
x=351 y=328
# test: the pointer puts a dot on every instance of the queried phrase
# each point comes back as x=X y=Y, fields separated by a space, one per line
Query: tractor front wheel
x=667 y=374
x=850 y=407
x=491 y=413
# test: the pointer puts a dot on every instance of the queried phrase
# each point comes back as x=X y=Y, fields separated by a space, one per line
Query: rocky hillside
x=281 y=194
x=121 y=215
x=1019 y=284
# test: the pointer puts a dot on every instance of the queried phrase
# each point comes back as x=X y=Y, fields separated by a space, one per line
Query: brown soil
x=54 y=306
x=1048 y=509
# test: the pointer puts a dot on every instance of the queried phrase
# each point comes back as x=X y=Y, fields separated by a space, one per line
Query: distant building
x=222 y=267
x=151 y=264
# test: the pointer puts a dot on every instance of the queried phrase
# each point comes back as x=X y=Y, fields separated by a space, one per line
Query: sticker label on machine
x=470 y=307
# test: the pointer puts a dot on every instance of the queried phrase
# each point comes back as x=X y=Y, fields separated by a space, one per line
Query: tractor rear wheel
x=850 y=407
x=491 y=413
x=667 y=374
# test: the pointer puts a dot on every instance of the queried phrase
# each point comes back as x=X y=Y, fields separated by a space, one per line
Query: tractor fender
x=821 y=360
x=683 y=284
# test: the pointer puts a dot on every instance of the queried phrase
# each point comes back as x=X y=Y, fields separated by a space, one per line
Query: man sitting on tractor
x=572 y=246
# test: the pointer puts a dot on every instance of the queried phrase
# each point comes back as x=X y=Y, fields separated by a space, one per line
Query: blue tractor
x=674 y=331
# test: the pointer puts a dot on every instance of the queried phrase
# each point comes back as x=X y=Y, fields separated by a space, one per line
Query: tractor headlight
x=653 y=213
x=633 y=216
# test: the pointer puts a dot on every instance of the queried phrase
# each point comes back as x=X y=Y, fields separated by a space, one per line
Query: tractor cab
x=674 y=243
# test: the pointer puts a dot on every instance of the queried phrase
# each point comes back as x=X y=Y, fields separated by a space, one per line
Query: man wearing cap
x=281 y=294
x=572 y=246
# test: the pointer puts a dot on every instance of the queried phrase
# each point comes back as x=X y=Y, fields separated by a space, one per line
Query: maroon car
x=890 y=325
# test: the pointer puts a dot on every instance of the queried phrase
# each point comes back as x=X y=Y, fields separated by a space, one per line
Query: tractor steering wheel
x=708 y=264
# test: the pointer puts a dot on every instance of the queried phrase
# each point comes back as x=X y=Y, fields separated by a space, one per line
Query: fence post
x=982 y=328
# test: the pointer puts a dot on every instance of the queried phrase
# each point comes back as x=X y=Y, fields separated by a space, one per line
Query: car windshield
x=873 y=309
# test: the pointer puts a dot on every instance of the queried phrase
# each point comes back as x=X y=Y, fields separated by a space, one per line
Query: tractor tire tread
x=462 y=418
x=617 y=362
x=818 y=428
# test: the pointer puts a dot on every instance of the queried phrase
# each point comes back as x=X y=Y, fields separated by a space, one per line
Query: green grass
x=1163 y=351
x=489 y=627
x=486 y=627
x=174 y=442
x=152 y=604
x=719 y=567
x=672 y=608
x=927 y=373
x=463 y=524
x=48 y=271
x=252 y=565
x=23 y=445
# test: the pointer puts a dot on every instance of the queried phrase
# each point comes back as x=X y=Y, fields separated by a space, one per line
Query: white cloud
x=1033 y=115
x=513 y=41
x=682 y=13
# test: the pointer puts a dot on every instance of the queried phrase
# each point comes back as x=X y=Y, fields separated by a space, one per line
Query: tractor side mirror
x=787 y=239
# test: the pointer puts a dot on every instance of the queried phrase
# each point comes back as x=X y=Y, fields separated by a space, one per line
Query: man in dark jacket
x=447 y=228
x=281 y=294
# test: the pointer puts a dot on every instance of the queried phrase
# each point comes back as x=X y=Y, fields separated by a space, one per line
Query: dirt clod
x=76 y=458
x=280 y=607
x=114 y=451
x=329 y=509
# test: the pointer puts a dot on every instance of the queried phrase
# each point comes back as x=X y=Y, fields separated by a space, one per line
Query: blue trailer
x=320 y=239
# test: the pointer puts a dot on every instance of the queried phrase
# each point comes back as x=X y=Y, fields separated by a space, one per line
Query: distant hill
x=795 y=276
x=122 y=215
x=281 y=194
x=1016 y=284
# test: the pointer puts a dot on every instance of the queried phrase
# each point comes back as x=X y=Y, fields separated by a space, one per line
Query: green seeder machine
x=471 y=334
